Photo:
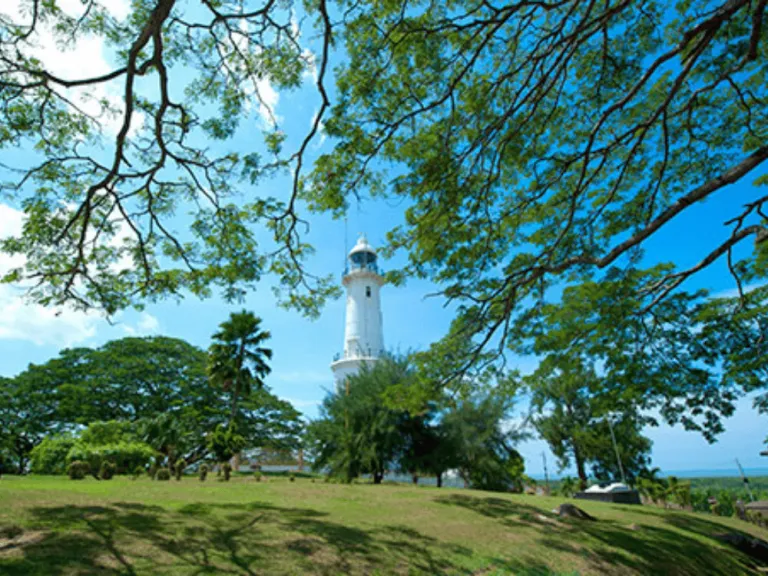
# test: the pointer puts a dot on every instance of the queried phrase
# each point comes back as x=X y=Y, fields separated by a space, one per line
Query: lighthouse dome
x=362 y=254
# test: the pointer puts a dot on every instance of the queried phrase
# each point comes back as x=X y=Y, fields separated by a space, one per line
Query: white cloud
x=147 y=325
x=85 y=58
x=59 y=327
x=734 y=292
x=320 y=129
x=299 y=404
x=267 y=98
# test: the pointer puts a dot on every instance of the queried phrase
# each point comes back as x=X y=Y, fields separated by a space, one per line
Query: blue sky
x=303 y=349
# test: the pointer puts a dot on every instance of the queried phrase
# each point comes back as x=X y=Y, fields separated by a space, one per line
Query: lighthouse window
x=368 y=291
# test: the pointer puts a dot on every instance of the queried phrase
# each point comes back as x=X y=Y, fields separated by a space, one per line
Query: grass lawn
x=51 y=525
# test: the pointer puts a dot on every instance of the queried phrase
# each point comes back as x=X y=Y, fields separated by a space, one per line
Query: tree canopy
x=544 y=145
x=114 y=155
x=154 y=389
x=362 y=429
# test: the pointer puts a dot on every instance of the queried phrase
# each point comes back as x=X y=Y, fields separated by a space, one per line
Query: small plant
x=153 y=471
x=257 y=476
x=180 y=465
x=292 y=478
x=203 y=472
x=107 y=470
x=227 y=469
x=78 y=470
x=327 y=479
x=313 y=480
x=138 y=471
x=163 y=474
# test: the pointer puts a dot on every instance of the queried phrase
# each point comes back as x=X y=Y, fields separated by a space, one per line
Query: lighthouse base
x=346 y=367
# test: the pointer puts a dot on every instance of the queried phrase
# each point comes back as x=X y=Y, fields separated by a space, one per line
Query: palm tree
x=237 y=359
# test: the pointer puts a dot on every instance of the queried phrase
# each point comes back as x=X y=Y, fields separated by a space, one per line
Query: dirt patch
x=12 y=546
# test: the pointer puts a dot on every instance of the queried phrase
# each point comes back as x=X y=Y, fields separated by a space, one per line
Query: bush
x=292 y=478
x=78 y=470
x=180 y=465
x=257 y=476
x=163 y=474
x=138 y=471
x=107 y=470
x=126 y=455
x=203 y=472
x=50 y=456
x=227 y=469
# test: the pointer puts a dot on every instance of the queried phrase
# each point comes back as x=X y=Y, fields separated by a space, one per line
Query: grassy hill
x=51 y=526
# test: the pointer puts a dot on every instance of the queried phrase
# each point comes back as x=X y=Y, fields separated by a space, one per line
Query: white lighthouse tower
x=363 y=339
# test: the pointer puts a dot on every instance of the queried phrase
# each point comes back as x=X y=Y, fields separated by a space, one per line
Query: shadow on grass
x=685 y=548
x=511 y=514
x=249 y=538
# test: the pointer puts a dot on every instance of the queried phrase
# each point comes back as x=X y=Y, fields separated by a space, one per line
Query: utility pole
x=546 y=476
x=745 y=480
x=616 y=449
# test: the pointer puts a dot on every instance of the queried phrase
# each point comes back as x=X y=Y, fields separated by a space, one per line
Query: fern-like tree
x=238 y=357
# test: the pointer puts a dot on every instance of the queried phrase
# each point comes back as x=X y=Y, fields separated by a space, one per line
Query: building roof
x=362 y=246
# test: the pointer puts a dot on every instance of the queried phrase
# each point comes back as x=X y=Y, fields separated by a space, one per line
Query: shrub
x=257 y=476
x=107 y=470
x=203 y=472
x=125 y=455
x=227 y=469
x=78 y=470
x=138 y=471
x=163 y=474
x=180 y=465
x=50 y=456
x=292 y=478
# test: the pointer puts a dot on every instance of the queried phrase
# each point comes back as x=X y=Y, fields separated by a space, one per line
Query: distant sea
x=697 y=473
x=453 y=482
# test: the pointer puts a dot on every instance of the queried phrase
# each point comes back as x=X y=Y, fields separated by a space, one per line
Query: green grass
x=280 y=527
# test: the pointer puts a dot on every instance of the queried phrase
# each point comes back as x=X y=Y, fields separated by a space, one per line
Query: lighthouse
x=363 y=339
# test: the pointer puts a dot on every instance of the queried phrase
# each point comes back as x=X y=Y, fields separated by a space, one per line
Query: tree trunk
x=378 y=477
x=415 y=478
x=238 y=375
x=235 y=394
x=580 y=470
x=439 y=479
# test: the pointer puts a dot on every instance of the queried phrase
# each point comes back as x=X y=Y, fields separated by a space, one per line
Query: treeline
x=364 y=429
x=153 y=402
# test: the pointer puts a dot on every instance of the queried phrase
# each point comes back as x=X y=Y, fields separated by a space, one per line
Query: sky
x=303 y=348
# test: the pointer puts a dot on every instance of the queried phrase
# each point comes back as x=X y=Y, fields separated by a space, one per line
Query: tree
x=238 y=358
x=571 y=415
x=113 y=157
x=224 y=442
x=541 y=144
x=155 y=387
x=27 y=415
x=483 y=450
x=568 y=487
x=357 y=433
